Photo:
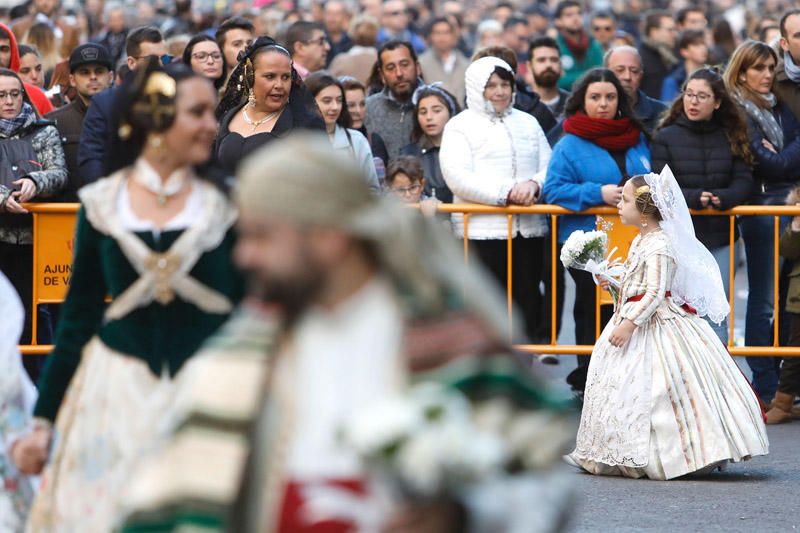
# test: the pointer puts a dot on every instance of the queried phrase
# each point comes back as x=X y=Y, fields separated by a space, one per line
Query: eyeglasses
x=319 y=41
x=14 y=94
x=404 y=191
x=701 y=98
x=396 y=13
x=166 y=59
x=635 y=71
x=602 y=28
x=203 y=56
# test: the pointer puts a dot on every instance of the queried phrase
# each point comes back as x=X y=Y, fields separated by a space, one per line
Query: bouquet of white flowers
x=587 y=250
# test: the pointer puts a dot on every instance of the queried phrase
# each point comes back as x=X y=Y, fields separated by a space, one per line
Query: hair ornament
x=435 y=87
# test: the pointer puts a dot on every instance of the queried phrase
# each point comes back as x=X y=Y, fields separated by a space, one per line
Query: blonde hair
x=44 y=39
x=744 y=57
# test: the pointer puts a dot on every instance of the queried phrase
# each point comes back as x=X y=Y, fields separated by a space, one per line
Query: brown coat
x=71 y=33
x=787 y=91
x=69 y=122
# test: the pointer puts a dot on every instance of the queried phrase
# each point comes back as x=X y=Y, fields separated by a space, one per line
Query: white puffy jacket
x=484 y=155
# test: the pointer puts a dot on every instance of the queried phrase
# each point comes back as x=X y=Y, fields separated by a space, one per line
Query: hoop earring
x=643 y=220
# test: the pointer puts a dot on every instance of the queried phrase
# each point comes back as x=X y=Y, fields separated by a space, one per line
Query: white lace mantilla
x=162 y=274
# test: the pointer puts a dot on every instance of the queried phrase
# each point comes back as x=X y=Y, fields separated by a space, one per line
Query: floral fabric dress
x=671 y=401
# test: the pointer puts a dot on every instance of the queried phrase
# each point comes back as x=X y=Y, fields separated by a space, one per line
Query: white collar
x=146 y=175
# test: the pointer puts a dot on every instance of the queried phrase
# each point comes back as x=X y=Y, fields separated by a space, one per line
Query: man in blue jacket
x=97 y=132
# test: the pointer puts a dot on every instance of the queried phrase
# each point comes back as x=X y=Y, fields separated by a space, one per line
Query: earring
x=251 y=98
x=155 y=141
x=643 y=220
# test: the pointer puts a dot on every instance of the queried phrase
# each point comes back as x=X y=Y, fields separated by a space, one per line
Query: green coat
x=574 y=69
x=164 y=336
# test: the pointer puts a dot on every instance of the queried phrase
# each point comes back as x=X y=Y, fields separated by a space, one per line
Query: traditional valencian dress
x=671 y=401
x=109 y=379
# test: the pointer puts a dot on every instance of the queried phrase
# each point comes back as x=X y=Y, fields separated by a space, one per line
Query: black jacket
x=655 y=70
x=700 y=156
x=69 y=122
x=783 y=168
x=431 y=170
x=531 y=103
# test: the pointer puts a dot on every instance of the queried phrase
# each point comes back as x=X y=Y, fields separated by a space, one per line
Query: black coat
x=700 y=156
x=655 y=70
x=780 y=169
x=531 y=103
x=431 y=170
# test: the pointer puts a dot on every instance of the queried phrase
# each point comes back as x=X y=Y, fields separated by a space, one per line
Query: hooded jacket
x=38 y=98
x=483 y=155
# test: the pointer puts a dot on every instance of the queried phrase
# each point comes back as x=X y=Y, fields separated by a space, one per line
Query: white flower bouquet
x=588 y=250
x=433 y=442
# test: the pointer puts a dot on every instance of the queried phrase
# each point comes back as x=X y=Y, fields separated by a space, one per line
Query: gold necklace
x=257 y=123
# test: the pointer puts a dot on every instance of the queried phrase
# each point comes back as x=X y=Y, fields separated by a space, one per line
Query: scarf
x=614 y=135
x=790 y=68
x=666 y=53
x=10 y=126
x=577 y=45
x=763 y=117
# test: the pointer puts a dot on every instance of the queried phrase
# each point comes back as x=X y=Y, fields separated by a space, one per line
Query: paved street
x=762 y=495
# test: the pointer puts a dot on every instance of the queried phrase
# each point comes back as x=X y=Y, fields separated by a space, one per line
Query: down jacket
x=699 y=154
x=484 y=155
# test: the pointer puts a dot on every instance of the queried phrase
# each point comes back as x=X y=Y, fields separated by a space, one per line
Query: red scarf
x=614 y=135
x=577 y=44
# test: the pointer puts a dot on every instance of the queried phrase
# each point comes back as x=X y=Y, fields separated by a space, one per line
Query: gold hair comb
x=641 y=190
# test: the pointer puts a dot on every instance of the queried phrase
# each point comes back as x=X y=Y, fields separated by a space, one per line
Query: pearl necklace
x=257 y=123
x=146 y=176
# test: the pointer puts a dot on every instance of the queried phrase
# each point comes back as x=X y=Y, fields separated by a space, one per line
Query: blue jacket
x=96 y=137
x=578 y=170
x=671 y=87
x=783 y=167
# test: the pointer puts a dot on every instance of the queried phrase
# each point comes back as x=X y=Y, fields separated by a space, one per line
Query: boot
x=781 y=410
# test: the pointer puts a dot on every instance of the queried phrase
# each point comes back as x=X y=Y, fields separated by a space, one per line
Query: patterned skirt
x=670 y=402
x=108 y=419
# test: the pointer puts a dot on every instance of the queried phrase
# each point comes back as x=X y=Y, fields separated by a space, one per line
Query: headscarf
x=476 y=78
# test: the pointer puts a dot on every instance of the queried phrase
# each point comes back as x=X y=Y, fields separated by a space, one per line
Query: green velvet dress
x=110 y=376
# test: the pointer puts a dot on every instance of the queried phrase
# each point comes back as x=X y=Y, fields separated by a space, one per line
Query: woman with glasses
x=774 y=136
x=203 y=56
x=330 y=97
x=704 y=141
x=32 y=167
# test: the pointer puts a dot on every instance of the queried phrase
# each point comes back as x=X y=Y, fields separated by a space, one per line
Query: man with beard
x=390 y=112
x=579 y=51
x=345 y=313
x=91 y=71
x=544 y=60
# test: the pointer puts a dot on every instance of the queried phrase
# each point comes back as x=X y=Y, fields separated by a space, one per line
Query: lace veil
x=698 y=281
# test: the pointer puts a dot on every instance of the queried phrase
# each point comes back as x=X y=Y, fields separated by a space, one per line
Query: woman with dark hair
x=328 y=92
x=202 y=55
x=157 y=239
x=32 y=166
x=265 y=99
x=494 y=154
x=774 y=136
x=604 y=145
x=355 y=94
x=704 y=141
x=433 y=108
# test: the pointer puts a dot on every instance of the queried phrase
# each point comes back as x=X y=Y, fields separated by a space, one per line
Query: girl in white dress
x=663 y=397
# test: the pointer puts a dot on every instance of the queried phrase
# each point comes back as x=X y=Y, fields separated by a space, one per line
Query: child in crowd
x=663 y=397
x=782 y=407
x=404 y=179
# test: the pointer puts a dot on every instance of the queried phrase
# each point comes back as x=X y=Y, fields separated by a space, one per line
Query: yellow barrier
x=54 y=229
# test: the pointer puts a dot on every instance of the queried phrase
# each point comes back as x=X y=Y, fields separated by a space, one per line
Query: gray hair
x=622 y=48
x=487 y=26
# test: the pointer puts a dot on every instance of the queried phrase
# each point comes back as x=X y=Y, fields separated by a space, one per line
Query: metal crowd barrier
x=54 y=227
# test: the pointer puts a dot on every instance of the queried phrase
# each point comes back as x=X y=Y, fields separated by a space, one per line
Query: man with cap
x=91 y=71
x=344 y=312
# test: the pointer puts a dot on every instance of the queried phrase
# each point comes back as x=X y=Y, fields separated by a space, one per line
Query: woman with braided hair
x=265 y=99
x=158 y=240
x=663 y=397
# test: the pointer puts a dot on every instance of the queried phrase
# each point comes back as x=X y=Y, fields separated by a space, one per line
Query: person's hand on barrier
x=622 y=333
x=12 y=205
x=612 y=194
x=30 y=452
x=428 y=206
x=768 y=145
x=715 y=201
x=796 y=221
x=705 y=198
x=27 y=189
x=604 y=283
x=524 y=193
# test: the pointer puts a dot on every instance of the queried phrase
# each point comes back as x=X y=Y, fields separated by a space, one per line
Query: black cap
x=90 y=54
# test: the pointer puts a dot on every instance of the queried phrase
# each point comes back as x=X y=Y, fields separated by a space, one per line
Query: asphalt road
x=761 y=495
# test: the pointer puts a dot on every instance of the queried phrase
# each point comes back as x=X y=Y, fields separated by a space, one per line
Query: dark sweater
x=700 y=156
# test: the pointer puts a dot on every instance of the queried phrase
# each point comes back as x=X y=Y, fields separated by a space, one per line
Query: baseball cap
x=90 y=54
